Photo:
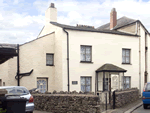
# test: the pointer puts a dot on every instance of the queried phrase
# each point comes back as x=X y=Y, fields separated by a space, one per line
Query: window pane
x=127 y=52
x=49 y=59
x=88 y=81
x=82 y=53
x=44 y=86
x=83 y=57
x=82 y=49
x=123 y=52
x=123 y=60
x=127 y=80
x=82 y=81
x=88 y=50
x=88 y=57
x=51 y=62
x=83 y=88
x=127 y=60
x=147 y=87
x=88 y=88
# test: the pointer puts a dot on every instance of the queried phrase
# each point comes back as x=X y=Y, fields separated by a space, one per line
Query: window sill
x=49 y=65
x=86 y=62
x=127 y=63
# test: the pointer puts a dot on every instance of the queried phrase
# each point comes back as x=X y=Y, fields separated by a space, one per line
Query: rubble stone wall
x=124 y=97
x=67 y=103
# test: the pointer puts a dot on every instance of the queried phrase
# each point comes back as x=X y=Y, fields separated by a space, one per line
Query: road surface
x=142 y=110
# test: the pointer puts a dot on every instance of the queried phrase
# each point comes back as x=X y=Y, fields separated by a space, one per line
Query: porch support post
x=108 y=81
x=96 y=83
x=103 y=80
x=119 y=79
x=123 y=80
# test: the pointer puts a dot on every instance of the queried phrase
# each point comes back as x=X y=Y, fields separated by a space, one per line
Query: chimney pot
x=52 y=5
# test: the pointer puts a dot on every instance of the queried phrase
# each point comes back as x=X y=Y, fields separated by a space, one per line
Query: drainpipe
x=146 y=74
x=139 y=59
x=18 y=69
x=67 y=57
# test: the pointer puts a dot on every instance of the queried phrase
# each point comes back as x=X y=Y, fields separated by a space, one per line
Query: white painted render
x=106 y=48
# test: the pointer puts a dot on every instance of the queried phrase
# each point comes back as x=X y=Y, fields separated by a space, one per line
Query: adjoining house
x=83 y=58
x=7 y=51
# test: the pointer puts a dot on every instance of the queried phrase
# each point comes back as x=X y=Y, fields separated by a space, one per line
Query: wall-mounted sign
x=74 y=82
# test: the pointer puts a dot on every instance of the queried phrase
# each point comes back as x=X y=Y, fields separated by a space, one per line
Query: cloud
x=16 y=2
x=21 y=21
x=96 y=12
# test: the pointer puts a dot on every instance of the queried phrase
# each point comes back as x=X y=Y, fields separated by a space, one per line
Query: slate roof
x=90 y=29
x=110 y=68
x=7 y=51
x=120 y=23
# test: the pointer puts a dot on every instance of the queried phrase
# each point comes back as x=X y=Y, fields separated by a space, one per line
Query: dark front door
x=109 y=90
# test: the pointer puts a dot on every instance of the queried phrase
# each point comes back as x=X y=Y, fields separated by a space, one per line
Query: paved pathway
x=35 y=111
x=125 y=108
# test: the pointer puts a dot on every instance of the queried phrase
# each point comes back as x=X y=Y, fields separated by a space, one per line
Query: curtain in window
x=41 y=84
x=88 y=84
x=85 y=53
x=88 y=53
x=82 y=53
x=127 y=56
x=127 y=82
x=49 y=59
x=82 y=84
x=123 y=56
x=85 y=84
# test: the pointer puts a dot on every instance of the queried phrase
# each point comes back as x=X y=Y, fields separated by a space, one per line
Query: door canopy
x=110 y=68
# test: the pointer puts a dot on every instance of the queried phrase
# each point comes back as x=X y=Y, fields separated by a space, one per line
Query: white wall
x=106 y=48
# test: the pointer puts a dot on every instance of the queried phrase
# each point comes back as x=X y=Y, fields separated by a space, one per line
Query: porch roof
x=7 y=51
x=110 y=68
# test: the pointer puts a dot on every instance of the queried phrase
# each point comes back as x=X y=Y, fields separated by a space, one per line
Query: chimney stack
x=51 y=14
x=113 y=18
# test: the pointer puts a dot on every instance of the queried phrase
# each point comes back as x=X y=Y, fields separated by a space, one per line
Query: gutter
x=67 y=57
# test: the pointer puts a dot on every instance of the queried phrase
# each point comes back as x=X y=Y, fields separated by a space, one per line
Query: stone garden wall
x=127 y=96
x=64 y=102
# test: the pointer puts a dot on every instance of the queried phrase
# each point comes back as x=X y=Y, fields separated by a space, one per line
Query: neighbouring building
x=83 y=58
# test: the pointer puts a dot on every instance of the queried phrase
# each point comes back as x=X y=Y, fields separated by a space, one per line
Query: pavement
x=127 y=108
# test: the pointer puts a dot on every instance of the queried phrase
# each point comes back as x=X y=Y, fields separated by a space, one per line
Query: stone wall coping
x=126 y=91
x=79 y=95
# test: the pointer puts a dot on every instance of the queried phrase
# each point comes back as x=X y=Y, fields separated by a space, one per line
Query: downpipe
x=67 y=57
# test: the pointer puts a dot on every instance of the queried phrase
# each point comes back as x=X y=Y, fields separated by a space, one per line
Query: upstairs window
x=49 y=59
x=86 y=53
x=126 y=56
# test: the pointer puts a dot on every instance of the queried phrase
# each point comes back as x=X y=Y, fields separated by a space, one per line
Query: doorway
x=0 y=82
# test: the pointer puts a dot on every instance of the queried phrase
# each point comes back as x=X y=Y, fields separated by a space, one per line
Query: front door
x=0 y=82
x=114 y=82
